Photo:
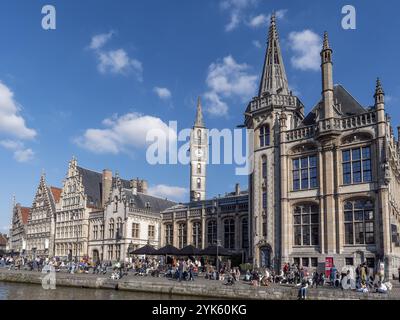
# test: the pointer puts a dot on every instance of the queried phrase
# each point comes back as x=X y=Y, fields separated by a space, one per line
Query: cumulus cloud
x=228 y=79
x=21 y=154
x=236 y=10
x=262 y=20
x=257 y=44
x=162 y=93
x=123 y=133
x=114 y=61
x=170 y=192
x=100 y=40
x=11 y=122
x=306 y=46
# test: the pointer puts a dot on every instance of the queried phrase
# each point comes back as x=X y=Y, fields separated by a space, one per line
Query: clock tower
x=198 y=157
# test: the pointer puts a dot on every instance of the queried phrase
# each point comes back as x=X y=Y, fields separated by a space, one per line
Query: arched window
x=111 y=228
x=198 y=183
x=199 y=136
x=199 y=168
x=229 y=234
x=119 y=228
x=359 y=222
x=212 y=232
x=196 y=233
x=306 y=225
x=116 y=204
x=169 y=234
x=264 y=136
x=245 y=233
x=182 y=235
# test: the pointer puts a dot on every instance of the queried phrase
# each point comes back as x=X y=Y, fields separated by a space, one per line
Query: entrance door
x=265 y=257
x=95 y=256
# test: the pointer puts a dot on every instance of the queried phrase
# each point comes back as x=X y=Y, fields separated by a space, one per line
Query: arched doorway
x=96 y=256
x=266 y=256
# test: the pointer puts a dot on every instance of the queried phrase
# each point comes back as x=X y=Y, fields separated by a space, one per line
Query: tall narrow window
x=359 y=222
x=306 y=225
x=115 y=204
x=198 y=183
x=264 y=136
x=135 y=230
x=169 y=234
x=305 y=173
x=111 y=228
x=264 y=200
x=182 y=235
x=152 y=232
x=196 y=234
x=198 y=168
x=229 y=233
x=245 y=233
x=264 y=167
x=357 y=165
x=212 y=232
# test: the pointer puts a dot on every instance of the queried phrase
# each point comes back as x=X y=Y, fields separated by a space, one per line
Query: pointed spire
x=273 y=79
x=199 y=115
x=326 y=41
x=378 y=89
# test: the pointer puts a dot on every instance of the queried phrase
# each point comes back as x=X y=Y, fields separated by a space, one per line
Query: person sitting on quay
x=303 y=289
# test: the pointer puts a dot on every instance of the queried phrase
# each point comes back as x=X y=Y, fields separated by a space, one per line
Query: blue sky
x=147 y=65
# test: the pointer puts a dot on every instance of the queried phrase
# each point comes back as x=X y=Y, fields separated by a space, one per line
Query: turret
x=327 y=79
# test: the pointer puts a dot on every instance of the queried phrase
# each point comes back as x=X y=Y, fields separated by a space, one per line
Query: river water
x=20 y=291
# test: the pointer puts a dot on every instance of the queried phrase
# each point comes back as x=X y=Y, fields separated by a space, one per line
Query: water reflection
x=20 y=291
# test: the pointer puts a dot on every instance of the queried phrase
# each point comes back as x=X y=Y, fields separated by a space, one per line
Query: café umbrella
x=168 y=250
x=145 y=250
x=215 y=250
x=190 y=251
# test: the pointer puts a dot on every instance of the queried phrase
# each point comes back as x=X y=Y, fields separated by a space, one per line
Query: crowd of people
x=362 y=278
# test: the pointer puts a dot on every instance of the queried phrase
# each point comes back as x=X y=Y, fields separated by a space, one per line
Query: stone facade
x=18 y=229
x=324 y=185
x=130 y=219
x=41 y=221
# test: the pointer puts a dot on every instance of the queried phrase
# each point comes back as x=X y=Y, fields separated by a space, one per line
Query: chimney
x=237 y=189
x=106 y=186
x=142 y=186
x=134 y=186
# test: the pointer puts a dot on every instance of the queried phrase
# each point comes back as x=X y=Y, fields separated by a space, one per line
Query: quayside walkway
x=201 y=287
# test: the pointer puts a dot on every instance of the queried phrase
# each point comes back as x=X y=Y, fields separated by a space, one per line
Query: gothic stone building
x=324 y=185
x=18 y=228
x=130 y=219
x=223 y=220
x=41 y=222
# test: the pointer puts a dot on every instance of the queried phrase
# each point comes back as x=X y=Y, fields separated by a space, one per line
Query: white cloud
x=118 y=61
x=99 y=40
x=262 y=20
x=236 y=10
x=170 y=192
x=228 y=79
x=123 y=133
x=11 y=122
x=21 y=154
x=163 y=93
x=114 y=61
x=307 y=46
x=257 y=44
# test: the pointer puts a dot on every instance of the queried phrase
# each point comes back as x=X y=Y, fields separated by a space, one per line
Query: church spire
x=199 y=115
x=273 y=79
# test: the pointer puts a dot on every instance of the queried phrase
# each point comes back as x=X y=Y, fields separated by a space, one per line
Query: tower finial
x=199 y=115
x=273 y=79
x=379 y=89
x=326 y=41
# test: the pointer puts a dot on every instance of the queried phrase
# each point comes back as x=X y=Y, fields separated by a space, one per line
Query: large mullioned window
x=306 y=225
x=357 y=165
x=305 y=173
x=359 y=222
x=182 y=235
x=229 y=234
x=196 y=234
x=212 y=232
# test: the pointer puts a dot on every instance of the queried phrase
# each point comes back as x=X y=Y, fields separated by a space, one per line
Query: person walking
x=180 y=270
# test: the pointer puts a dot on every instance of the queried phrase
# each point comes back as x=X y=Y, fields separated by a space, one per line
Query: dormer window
x=148 y=205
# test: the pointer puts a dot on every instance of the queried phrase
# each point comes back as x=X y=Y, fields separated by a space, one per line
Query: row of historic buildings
x=324 y=188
